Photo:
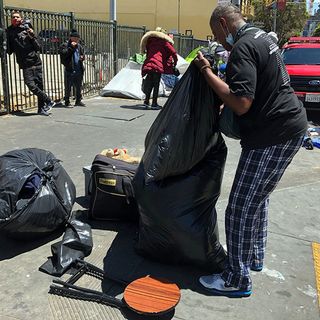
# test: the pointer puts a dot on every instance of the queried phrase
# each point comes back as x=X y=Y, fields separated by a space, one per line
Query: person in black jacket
x=72 y=57
x=23 y=42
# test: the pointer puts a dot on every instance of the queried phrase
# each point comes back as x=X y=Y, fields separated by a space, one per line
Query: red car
x=51 y=40
x=301 y=56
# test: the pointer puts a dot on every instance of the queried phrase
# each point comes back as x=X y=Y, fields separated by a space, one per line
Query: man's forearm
x=239 y=105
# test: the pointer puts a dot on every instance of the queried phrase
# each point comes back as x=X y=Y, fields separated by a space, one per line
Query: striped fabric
x=257 y=175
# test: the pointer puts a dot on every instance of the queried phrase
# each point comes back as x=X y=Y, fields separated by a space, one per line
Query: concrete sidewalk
x=285 y=289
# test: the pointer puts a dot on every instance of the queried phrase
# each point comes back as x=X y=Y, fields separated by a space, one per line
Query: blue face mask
x=229 y=37
x=230 y=40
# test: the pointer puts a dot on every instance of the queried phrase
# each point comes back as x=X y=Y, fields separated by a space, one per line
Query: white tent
x=127 y=82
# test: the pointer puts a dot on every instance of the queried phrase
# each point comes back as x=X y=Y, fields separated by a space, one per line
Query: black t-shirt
x=255 y=69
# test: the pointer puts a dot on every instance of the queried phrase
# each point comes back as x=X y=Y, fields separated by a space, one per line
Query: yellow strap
x=316 y=259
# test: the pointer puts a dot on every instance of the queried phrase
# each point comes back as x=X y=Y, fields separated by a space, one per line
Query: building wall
x=192 y=15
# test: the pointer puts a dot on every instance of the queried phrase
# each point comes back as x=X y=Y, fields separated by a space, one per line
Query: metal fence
x=108 y=47
x=184 y=44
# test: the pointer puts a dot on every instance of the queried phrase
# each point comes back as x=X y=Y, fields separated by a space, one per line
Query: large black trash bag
x=181 y=134
x=178 y=221
x=36 y=193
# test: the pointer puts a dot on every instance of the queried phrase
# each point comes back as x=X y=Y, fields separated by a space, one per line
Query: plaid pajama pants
x=257 y=175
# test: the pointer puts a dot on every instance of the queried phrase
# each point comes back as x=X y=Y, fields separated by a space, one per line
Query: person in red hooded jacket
x=161 y=58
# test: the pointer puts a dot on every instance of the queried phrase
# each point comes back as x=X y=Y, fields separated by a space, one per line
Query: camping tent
x=127 y=82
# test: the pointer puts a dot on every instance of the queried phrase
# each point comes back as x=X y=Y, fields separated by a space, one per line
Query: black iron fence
x=108 y=47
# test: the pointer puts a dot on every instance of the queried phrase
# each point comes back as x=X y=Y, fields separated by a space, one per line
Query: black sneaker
x=256 y=268
x=156 y=107
x=79 y=104
x=67 y=104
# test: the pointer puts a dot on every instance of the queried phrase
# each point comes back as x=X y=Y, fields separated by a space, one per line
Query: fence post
x=72 y=21
x=115 y=47
x=179 y=44
x=4 y=60
x=192 y=42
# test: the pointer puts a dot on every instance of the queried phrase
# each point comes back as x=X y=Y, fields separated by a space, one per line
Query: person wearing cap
x=23 y=42
x=272 y=125
x=72 y=57
x=161 y=58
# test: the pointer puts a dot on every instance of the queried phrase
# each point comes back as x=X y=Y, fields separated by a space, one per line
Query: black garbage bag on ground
x=36 y=193
x=178 y=221
x=184 y=130
x=76 y=244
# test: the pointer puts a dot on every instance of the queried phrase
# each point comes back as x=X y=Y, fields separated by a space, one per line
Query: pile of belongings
x=128 y=81
x=312 y=138
x=36 y=193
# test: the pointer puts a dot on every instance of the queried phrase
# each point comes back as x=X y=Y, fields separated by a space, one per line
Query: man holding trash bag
x=272 y=125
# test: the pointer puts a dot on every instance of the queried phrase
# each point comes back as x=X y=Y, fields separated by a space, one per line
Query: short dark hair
x=229 y=11
x=16 y=12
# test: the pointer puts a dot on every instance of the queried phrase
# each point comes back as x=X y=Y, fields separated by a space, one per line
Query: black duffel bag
x=112 y=195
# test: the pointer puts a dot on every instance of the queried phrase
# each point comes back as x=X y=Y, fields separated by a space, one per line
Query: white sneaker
x=50 y=105
x=216 y=285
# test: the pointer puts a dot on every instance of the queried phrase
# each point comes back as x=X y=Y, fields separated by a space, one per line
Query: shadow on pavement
x=10 y=248
x=130 y=315
x=20 y=113
x=139 y=106
x=83 y=215
x=83 y=201
x=60 y=106
x=123 y=264
x=24 y=114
